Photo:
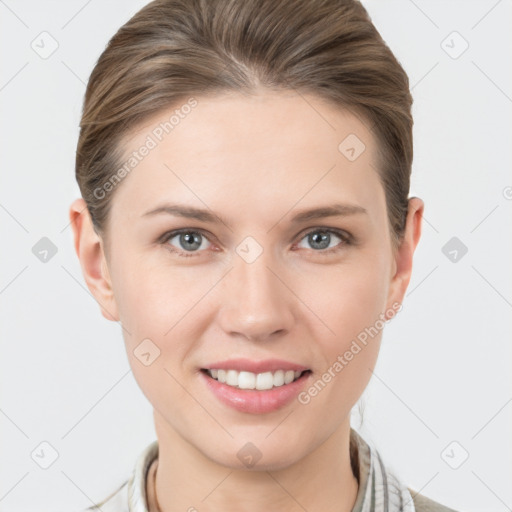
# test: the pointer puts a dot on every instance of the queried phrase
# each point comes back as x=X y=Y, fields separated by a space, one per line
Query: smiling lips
x=255 y=386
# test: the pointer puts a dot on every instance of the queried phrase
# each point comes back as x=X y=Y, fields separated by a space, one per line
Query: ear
x=403 y=256
x=90 y=252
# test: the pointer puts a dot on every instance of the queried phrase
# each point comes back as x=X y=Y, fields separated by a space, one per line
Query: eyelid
x=345 y=235
x=173 y=232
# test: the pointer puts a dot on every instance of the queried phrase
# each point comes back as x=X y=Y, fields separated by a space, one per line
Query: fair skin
x=255 y=161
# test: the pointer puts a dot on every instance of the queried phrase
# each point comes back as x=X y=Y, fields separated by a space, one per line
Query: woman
x=244 y=169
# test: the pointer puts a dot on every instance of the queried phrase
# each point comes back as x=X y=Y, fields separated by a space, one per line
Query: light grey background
x=444 y=373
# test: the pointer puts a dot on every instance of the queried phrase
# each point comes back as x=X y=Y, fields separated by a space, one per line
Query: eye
x=188 y=241
x=320 y=240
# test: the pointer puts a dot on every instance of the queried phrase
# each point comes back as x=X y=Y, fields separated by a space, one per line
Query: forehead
x=277 y=148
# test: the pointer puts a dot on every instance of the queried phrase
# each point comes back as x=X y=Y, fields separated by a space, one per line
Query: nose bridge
x=252 y=273
x=257 y=302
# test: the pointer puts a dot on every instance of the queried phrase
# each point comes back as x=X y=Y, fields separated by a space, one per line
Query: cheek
x=151 y=296
x=163 y=304
x=346 y=298
x=349 y=356
x=159 y=312
x=350 y=303
x=351 y=372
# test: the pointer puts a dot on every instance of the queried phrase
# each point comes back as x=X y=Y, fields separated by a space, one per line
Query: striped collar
x=379 y=488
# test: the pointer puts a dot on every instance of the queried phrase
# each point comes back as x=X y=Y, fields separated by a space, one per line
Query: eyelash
x=346 y=238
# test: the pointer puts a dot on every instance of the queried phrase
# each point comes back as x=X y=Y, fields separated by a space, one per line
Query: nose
x=256 y=303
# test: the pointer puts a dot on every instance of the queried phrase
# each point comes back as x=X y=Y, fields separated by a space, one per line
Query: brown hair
x=174 y=49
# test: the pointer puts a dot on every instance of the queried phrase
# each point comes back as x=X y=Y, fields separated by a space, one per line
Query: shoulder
x=424 y=504
x=117 y=501
x=131 y=494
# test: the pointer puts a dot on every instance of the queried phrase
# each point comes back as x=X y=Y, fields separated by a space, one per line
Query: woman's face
x=267 y=288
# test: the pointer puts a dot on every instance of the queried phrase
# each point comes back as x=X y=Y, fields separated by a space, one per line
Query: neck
x=321 y=481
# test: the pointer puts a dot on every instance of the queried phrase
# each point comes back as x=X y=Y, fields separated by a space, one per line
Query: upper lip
x=248 y=365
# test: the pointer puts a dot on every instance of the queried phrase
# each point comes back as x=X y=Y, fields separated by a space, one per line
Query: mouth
x=255 y=387
x=254 y=381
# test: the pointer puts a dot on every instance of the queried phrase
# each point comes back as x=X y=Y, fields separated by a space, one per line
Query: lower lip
x=252 y=400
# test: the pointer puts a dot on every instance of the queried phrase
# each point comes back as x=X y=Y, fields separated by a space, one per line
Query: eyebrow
x=190 y=212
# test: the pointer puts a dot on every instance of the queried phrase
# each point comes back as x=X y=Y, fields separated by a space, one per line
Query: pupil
x=189 y=238
x=320 y=240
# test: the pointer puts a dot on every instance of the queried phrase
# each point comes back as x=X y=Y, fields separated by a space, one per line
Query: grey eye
x=189 y=240
x=320 y=239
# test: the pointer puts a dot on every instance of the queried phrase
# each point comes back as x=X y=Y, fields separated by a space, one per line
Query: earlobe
x=404 y=253
x=89 y=249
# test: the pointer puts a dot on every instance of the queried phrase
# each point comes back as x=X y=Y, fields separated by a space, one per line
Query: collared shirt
x=379 y=490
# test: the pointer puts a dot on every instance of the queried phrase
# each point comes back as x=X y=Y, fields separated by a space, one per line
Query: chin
x=257 y=452
x=272 y=462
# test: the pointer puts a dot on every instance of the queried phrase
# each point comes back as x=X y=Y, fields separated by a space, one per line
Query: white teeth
x=245 y=380
x=263 y=381
x=232 y=377
x=249 y=380
x=279 y=378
